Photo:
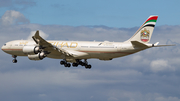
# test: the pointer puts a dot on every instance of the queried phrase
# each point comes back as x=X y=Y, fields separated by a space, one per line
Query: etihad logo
x=145 y=35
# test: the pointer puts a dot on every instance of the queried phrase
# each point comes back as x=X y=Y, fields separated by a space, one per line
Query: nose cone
x=3 y=48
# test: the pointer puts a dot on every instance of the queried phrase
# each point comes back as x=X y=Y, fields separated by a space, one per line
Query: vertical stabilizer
x=143 y=34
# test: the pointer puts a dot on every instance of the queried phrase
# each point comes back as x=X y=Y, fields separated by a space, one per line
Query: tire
x=88 y=66
x=68 y=65
x=62 y=62
x=65 y=65
x=74 y=64
x=14 y=61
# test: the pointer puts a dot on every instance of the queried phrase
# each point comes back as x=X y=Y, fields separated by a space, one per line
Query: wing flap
x=77 y=53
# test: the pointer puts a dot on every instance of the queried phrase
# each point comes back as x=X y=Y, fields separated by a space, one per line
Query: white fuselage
x=99 y=50
x=75 y=51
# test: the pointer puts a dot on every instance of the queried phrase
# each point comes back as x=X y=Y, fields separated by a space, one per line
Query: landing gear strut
x=14 y=60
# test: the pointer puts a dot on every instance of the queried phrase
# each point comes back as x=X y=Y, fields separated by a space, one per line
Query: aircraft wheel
x=14 y=61
x=62 y=62
x=81 y=63
x=88 y=66
x=65 y=65
x=84 y=64
x=68 y=65
x=74 y=64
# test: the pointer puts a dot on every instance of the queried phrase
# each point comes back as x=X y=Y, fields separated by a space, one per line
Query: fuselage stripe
x=12 y=49
x=104 y=52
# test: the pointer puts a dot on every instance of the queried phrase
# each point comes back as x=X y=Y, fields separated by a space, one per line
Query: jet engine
x=38 y=56
x=31 y=50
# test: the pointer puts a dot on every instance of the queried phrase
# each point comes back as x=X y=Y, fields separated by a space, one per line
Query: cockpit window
x=4 y=44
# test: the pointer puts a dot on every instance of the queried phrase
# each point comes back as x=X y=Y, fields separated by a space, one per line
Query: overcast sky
x=150 y=75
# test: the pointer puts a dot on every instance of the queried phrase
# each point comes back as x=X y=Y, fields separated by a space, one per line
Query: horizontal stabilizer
x=156 y=45
x=139 y=44
x=163 y=45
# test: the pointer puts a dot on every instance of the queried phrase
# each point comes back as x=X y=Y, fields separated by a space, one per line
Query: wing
x=49 y=47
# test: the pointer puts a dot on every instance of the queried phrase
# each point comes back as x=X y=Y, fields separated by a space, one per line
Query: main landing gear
x=65 y=63
x=14 y=60
x=78 y=62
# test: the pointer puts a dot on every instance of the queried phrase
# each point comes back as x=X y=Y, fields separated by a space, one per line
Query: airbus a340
x=77 y=52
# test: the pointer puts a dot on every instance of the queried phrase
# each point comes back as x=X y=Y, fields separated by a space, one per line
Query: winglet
x=37 y=33
x=36 y=36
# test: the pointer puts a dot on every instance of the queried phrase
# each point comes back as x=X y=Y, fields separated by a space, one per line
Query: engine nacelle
x=31 y=50
x=38 y=56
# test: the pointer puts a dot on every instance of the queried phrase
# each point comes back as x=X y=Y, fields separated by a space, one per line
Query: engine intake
x=31 y=50
x=38 y=56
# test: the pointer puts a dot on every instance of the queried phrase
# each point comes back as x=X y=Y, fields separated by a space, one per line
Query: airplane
x=76 y=51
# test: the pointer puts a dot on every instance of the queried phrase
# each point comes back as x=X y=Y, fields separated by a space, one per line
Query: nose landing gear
x=14 y=60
